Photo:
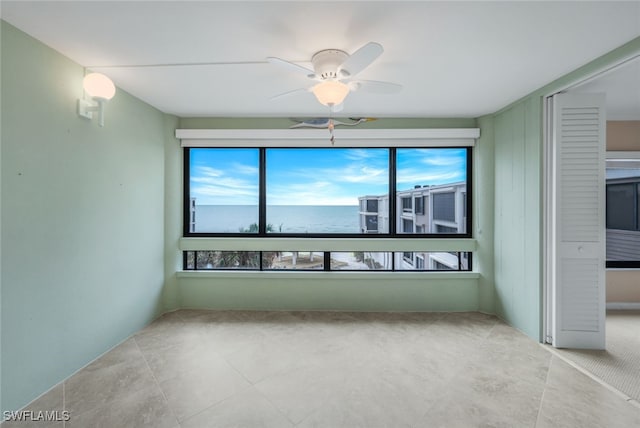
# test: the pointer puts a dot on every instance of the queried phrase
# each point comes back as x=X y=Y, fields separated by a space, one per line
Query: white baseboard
x=631 y=306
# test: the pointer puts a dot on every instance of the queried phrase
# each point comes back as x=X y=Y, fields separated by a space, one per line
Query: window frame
x=262 y=207
x=409 y=257
x=617 y=156
x=347 y=138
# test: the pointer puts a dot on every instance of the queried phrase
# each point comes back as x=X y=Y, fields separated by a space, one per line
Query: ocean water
x=283 y=218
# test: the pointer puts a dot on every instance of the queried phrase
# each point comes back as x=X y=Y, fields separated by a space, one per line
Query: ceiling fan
x=334 y=71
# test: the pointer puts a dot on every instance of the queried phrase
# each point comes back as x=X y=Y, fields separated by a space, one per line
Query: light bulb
x=330 y=92
x=99 y=86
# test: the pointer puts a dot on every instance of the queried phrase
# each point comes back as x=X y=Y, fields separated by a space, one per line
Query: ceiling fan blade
x=360 y=59
x=285 y=94
x=292 y=66
x=375 y=86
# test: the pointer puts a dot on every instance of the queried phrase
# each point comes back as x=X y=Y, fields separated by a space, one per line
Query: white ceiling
x=622 y=88
x=454 y=59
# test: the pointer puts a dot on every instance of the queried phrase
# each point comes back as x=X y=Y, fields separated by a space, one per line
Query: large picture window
x=327 y=192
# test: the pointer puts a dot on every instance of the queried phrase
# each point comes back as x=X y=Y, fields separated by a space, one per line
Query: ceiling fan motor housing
x=326 y=63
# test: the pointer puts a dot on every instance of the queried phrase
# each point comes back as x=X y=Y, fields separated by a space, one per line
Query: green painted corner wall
x=483 y=227
x=172 y=213
x=517 y=215
x=518 y=247
x=82 y=220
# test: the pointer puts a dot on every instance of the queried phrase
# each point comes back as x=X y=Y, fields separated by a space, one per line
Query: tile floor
x=199 y=369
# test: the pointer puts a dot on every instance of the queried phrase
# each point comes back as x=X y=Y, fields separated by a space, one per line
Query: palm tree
x=242 y=259
x=237 y=259
x=253 y=228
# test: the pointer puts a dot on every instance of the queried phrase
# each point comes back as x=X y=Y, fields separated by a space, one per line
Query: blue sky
x=224 y=176
x=332 y=176
x=325 y=176
x=430 y=166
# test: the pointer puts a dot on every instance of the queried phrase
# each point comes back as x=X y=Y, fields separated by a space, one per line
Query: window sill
x=327 y=244
x=327 y=275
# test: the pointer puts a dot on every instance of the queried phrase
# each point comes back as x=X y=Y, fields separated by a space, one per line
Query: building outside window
x=406 y=204
x=623 y=213
x=372 y=223
x=444 y=206
x=418 y=203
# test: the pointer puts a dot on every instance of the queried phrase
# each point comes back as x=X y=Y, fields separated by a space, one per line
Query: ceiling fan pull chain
x=330 y=126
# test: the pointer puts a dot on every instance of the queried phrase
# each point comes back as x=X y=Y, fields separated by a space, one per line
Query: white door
x=577 y=253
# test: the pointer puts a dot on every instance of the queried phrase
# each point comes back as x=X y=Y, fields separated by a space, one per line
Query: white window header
x=458 y=137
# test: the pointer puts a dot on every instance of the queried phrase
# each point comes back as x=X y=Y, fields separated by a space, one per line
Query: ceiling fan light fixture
x=330 y=92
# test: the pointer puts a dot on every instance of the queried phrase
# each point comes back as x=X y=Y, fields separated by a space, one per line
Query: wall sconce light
x=101 y=89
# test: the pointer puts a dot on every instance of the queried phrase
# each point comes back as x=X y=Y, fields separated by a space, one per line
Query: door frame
x=547 y=185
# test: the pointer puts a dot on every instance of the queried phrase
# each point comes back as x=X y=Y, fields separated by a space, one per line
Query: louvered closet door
x=579 y=221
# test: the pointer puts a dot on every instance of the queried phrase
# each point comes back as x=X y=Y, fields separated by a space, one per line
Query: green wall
x=518 y=140
x=483 y=221
x=341 y=292
x=172 y=214
x=82 y=220
x=517 y=215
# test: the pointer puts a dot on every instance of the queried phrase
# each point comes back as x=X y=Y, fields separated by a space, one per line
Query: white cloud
x=312 y=193
x=363 y=175
x=213 y=190
x=211 y=186
x=413 y=177
x=449 y=161
x=366 y=154
x=227 y=182
x=352 y=173
x=207 y=171
x=245 y=169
